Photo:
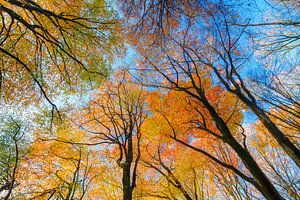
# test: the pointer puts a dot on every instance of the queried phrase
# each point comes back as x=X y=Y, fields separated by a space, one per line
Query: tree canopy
x=149 y=99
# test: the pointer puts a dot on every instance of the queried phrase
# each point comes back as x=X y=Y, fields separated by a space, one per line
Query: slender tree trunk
x=265 y=185
x=292 y=151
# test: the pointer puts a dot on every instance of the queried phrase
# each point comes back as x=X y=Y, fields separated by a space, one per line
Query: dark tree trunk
x=127 y=186
x=292 y=151
x=127 y=189
x=265 y=186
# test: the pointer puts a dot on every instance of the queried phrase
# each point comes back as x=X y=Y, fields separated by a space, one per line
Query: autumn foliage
x=149 y=100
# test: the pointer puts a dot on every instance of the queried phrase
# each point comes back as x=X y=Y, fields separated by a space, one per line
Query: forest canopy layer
x=149 y=99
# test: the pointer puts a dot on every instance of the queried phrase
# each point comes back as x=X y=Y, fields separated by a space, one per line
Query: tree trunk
x=265 y=185
x=292 y=151
x=127 y=190
x=127 y=187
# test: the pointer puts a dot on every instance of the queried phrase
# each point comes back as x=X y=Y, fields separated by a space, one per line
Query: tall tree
x=115 y=117
x=47 y=44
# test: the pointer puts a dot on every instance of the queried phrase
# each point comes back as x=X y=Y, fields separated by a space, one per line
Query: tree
x=47 y=44
x=114 y=117
x=12 y=150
